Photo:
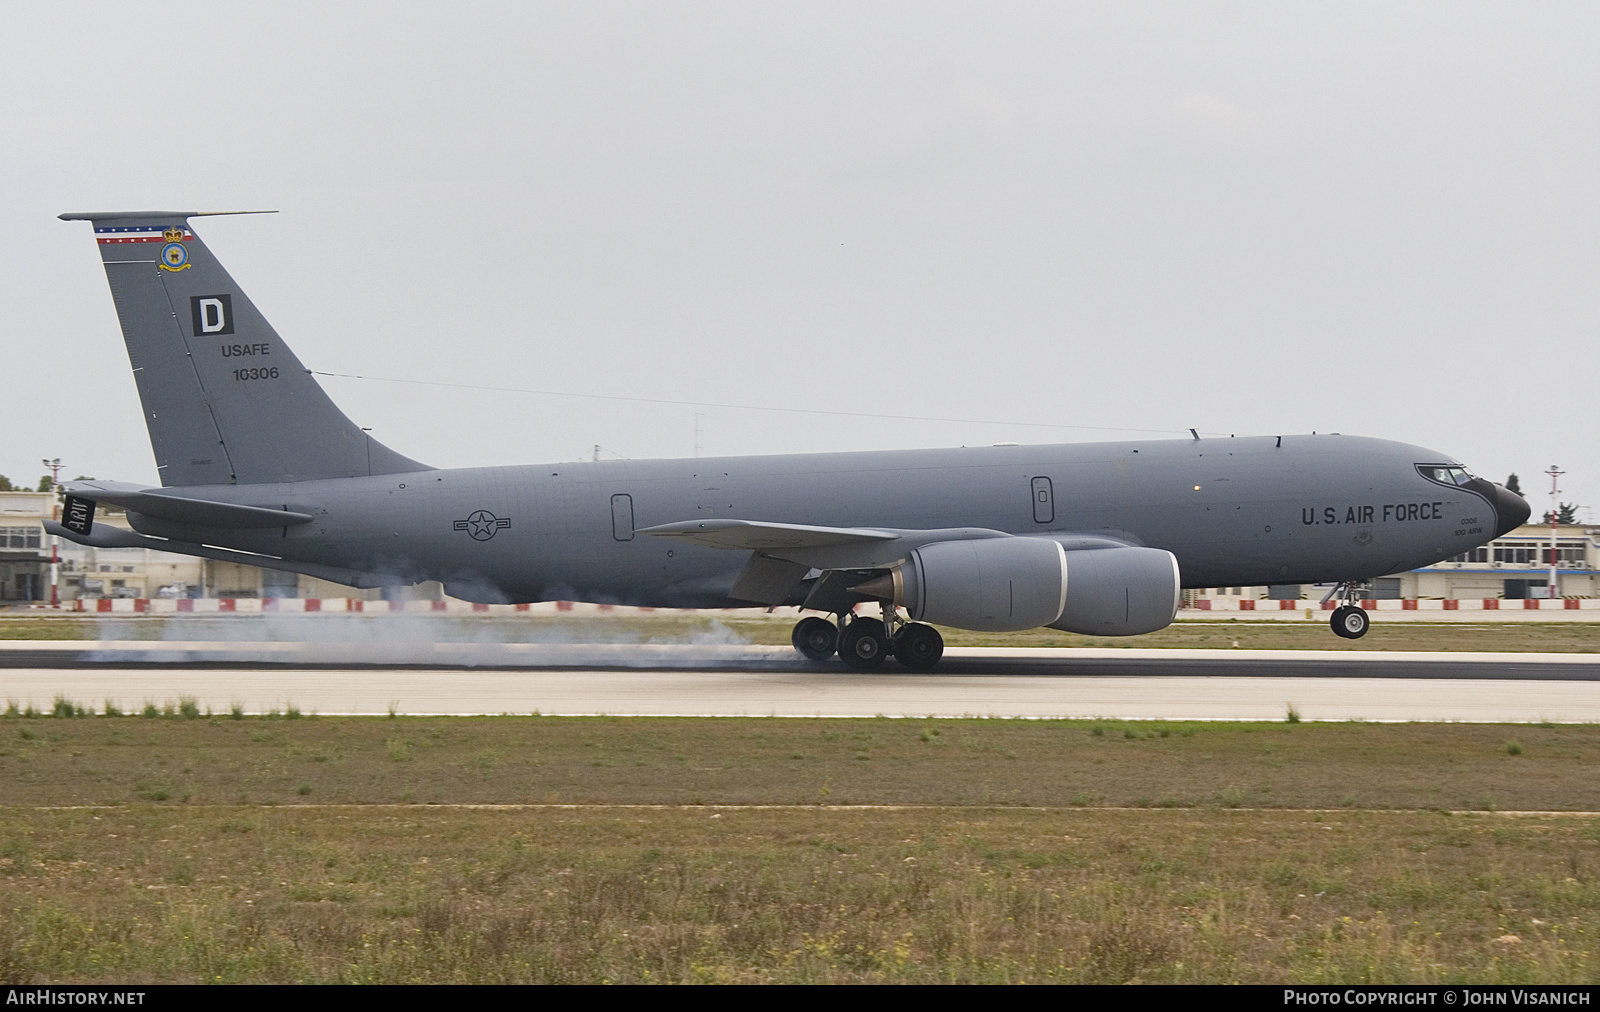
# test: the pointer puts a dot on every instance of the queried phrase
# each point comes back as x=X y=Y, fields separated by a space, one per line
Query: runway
x=727 y=680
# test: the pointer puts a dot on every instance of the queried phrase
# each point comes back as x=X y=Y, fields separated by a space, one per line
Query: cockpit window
x=1446 y=474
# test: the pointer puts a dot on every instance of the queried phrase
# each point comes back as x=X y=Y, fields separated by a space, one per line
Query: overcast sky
x=1239 y=216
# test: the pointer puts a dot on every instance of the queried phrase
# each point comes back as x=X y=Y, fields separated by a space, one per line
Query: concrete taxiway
x=738 y=680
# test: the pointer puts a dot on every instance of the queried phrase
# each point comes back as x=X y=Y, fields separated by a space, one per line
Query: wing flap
x=765 y=580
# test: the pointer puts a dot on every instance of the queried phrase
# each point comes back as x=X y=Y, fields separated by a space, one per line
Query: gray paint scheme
x=1290 y=509
x=206 y=426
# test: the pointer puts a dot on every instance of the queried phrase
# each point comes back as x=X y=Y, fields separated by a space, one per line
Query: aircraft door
x=622 y=517
x=1044 y=502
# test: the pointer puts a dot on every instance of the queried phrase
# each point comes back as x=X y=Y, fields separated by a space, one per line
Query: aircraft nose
x=1511 y=510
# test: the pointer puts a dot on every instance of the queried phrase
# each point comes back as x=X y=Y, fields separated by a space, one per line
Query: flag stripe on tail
x=134 y=233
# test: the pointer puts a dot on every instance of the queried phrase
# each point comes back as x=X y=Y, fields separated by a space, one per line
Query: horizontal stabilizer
x=104 y=536
x=198 y=512
x=762 y=536
x=143 y=215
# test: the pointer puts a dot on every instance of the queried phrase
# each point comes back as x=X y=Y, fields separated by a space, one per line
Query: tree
x=5 y=484
x=45 y=484
x=1513 y=485
x=1567 y=513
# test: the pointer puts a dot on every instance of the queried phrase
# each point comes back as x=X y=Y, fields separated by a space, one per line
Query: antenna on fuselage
x=1195 y=434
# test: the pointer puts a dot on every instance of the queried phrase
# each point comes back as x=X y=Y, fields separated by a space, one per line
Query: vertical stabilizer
x=225 y=399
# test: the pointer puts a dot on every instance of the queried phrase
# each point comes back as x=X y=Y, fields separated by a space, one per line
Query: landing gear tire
x=816 y=638
x=1350 y=622
x=863 y=645
x=918 y=647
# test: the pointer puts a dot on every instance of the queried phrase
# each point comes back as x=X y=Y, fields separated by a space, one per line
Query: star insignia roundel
x=482 y=525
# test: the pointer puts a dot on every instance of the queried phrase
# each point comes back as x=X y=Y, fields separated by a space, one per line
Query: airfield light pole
x=1555 y=474
x=55 y=542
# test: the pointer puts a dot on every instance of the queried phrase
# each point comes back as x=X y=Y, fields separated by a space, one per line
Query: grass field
x=168 y=893
x=694 y=761
x=330 y=849
x=1555 y=637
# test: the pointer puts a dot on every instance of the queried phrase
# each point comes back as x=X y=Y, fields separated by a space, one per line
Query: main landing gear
x=864 y=643
x=817 y=638
x=1349 y=619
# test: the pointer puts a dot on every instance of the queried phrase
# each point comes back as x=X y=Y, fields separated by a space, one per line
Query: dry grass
x=1554 y=637
x=240 y=849
x=210 y=850
x=816 y=895
x=673 y=760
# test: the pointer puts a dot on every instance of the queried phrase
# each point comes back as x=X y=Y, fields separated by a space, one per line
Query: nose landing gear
x=1350 y=622
x=864 y=643
x=1349 y=619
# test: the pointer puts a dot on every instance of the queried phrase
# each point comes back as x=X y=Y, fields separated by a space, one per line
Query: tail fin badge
x=211 y=314
x=174 y=255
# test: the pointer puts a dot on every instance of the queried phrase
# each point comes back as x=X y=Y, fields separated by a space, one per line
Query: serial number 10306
x=269 y=373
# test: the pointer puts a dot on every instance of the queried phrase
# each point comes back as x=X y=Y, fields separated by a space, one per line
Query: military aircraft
x=259 y=466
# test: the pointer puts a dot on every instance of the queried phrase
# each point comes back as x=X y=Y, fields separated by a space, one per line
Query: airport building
x=1514 y=567
x=24 y=549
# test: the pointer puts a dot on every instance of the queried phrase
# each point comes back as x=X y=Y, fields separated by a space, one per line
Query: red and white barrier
x=1237 y=604
x=347 y=605
x=341 y=606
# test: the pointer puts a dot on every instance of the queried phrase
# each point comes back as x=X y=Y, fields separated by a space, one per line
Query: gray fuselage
x=1234 y=511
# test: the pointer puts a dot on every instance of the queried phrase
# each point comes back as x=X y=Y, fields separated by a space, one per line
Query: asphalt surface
x=719 y=679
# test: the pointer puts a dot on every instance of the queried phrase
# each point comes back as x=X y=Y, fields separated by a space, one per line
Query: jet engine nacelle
x=1120 y=592
x=991 y=585
x=1011 y=584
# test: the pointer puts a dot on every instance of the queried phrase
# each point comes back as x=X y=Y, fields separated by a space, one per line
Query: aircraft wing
x=762 y=536
x=199 y=512
x=781 y=555
x=821 y=548
x=849 y=547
